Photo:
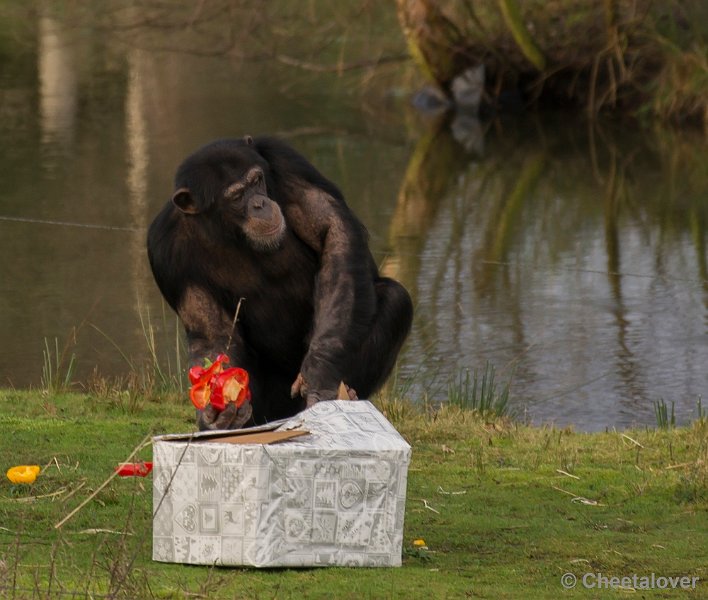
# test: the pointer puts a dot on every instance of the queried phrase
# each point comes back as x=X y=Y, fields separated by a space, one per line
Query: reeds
x=664 y=419
x=167 y=375
x=480 y=392
x=58 y=366
x=158 y=376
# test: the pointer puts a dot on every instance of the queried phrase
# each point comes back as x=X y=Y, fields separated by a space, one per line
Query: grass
x=680 y=90
x=504 y=509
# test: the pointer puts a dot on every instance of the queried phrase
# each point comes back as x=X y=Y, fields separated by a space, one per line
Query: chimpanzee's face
x=229 y=189
x=245 y=202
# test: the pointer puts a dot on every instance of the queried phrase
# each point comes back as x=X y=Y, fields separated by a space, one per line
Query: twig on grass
x=684 y=465
x=145 y=441
x=562 y=472
x=94 y=531
x=586 y=501
x=72 y=492
x=446 y=493
x=564 y=491
x=580 y=499
x=425 y=503
x=33 y=498
x=55 y=462
x=635 y=442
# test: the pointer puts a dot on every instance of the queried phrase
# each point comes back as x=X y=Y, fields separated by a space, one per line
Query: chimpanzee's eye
x=233 y=192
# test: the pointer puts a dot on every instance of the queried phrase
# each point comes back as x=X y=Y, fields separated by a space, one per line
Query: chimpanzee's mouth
x=273 y=231
x=264 y=229
x=268 y=239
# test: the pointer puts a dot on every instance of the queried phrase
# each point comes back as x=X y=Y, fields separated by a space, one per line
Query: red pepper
x=134 y=469
x=230 y=385
x=196 y=373
x=218 y=385
x=201 y=380
x=199 y=394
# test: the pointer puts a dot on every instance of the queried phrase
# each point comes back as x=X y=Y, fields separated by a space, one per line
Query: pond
x=570 y=256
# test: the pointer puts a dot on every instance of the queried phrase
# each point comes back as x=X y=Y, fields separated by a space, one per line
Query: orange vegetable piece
x=23 y=473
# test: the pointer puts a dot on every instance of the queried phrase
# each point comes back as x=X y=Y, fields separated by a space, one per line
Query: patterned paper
x=334 y=497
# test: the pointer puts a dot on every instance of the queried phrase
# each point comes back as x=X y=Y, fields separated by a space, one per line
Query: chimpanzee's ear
x=248 y=139
x=184 y=200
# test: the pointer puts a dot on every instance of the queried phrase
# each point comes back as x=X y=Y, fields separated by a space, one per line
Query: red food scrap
x=218 y=386
x=140 y=469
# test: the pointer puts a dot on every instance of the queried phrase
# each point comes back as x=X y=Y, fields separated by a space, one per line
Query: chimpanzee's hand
x=229 y=418
x=312 y=397
x=300 y=389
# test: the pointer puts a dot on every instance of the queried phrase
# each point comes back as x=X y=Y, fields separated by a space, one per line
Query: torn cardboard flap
x=259 y=434
x=263 y=437
x=196 y=436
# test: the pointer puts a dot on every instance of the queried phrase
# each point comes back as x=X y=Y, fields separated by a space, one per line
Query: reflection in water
x=57 y=78
x=138 y=162
x=587 y=283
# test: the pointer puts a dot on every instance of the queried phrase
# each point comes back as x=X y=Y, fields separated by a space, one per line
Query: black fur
x=324 y=312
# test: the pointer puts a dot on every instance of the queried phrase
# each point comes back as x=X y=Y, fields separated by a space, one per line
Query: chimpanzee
x=252 y=219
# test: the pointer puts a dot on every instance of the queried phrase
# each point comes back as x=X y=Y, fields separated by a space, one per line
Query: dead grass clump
x=680 y=91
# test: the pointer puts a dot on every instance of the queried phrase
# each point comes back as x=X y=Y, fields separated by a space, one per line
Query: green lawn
x=505 y=510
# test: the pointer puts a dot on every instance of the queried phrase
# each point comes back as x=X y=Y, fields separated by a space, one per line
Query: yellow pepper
x=23 y=473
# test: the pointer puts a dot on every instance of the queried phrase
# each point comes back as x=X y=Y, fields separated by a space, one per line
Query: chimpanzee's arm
x=207 y=325
x=344 y=297
x=208 y=335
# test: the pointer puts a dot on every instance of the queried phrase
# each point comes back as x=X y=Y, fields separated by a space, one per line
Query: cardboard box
x=326 y=487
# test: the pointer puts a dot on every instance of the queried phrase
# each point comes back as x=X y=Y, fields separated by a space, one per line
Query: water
x=571 y=256
x=575 y=259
